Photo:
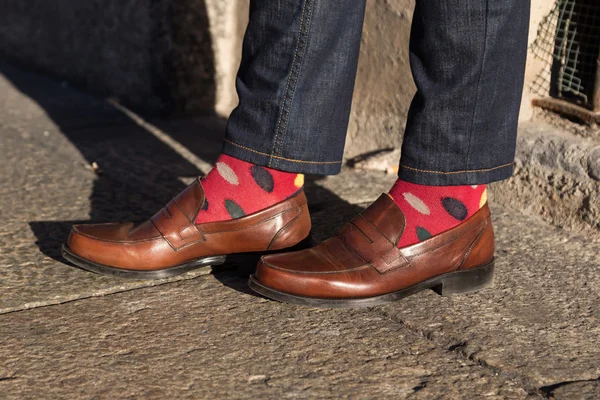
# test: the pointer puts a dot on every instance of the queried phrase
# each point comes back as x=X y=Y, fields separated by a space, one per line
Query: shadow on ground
x=321 y=203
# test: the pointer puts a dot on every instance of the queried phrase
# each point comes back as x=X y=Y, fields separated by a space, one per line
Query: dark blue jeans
x=297 y=75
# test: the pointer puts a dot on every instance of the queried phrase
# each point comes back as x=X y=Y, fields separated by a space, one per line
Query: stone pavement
x=65 y=333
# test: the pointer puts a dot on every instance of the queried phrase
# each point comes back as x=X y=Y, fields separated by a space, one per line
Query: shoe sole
x=248 y=260
x=467 y=281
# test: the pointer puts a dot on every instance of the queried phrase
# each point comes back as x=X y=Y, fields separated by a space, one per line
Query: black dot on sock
x=204 y=205
x=455 y=208
x=234 y=210
x=422 y=233
x=263 y=178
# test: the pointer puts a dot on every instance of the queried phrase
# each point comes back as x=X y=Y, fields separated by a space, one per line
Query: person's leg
x=468 y=62
x=295 y=86
x=433 y=230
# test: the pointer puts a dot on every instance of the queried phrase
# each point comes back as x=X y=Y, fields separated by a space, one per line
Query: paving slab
x=540 y=321
x=80 y=335
x=208 y=338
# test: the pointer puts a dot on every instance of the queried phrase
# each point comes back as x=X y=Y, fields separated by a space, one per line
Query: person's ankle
x=431 y=210
x=235 y=188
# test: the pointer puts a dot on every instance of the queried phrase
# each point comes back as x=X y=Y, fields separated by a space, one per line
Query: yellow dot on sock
x=299 y=181
x=483 y=199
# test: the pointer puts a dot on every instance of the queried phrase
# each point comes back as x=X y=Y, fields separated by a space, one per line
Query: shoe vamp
x=333 y=255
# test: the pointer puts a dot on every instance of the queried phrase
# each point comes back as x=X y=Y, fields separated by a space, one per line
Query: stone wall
x=157 y=55
x=384 y=85
x=179 y=57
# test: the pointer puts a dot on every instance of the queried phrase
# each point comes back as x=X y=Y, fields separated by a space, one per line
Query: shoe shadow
x=328 y=213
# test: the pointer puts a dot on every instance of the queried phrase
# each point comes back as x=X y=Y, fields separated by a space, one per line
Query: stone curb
x=557 y=177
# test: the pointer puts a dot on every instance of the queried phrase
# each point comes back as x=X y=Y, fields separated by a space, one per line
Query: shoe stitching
x=191 y=223
x=447 y=242
x=185 y=246
x=120 y=241
x=163 y=236
x=197 y=232
x=472 y=246
x=254 y=224
x=360 y=232
x=376 y=229
x=182 y=211
x=407 y=264
x=166 y=210
x=363 y=266
x=203 y=195
x=369 y=264
x=354 y=250
x=403 y=219
x=279 y=232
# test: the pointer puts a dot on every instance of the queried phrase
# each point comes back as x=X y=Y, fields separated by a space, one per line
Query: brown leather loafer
x=362 y=266
x=170 y=243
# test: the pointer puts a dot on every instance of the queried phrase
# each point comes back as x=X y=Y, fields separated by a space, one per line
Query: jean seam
x=477 y=93
x=287 y=85
x=280 y=158
x=458 y=172
x=296 y=77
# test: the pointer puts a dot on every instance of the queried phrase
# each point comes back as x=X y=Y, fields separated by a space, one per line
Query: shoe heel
x=470 y=280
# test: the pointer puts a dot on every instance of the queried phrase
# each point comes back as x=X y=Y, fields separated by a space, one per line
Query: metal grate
x=568 y=42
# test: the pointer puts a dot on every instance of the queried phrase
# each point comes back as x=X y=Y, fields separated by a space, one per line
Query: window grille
x=568 y=42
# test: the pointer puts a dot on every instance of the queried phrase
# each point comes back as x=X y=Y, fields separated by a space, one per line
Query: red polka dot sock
x=236 y=188
x=430 y=210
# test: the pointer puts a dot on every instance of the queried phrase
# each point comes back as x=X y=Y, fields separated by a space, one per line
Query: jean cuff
x=455 y=178
x=283 y=164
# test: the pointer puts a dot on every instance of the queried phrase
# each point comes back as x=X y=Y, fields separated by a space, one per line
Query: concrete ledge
x=556 y=177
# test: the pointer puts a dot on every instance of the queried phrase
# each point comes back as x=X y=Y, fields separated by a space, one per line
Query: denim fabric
x=468 y=61
x=295 y=84
x=297 y=75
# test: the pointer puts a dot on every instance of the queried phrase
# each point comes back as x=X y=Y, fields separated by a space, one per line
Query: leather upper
x=171 y=237
x=363 y=259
